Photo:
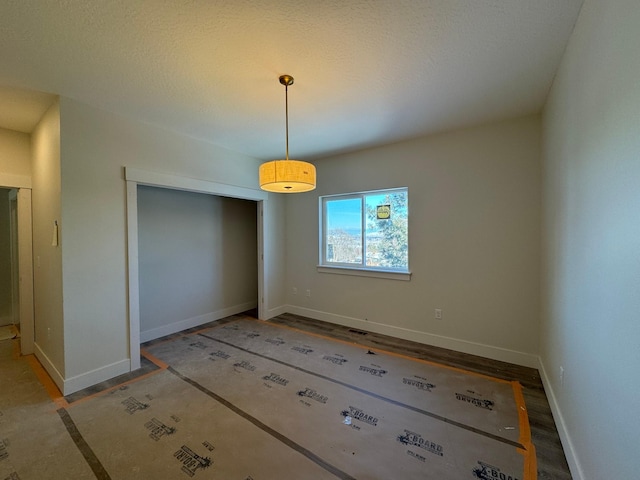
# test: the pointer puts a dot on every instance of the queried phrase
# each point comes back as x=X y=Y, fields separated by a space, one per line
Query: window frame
x=358 y=269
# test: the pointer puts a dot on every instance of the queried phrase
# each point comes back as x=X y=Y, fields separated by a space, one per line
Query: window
x=366 y=231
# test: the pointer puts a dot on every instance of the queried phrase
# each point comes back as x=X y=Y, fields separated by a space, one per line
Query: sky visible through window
x=367 y=229
x=346 y=214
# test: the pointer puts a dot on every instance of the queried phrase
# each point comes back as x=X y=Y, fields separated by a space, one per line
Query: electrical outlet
x=308 y=293
x=438 y=314
x=294 y=290
x=561 y=376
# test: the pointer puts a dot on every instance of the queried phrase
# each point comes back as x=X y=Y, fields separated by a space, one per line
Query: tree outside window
x=367 y=230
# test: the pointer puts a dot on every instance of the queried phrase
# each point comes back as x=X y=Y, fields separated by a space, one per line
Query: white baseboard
x=487 y=351
x=565 y=438
x=84 y=380
x=48 y=365
x=181 y=325
x=87 y=379
x=274 y=312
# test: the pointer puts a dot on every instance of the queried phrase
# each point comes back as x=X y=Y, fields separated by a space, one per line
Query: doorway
x=8 y=258
x=9 y=284
x=135 y=177
x=16 y=258
x=197 y=259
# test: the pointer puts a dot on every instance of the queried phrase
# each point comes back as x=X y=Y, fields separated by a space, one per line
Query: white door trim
x=135 y=177
x=25 y=269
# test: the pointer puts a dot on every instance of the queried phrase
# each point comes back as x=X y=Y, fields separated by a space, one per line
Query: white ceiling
x=366 y=72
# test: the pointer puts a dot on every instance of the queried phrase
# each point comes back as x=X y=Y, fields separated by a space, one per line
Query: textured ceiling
x=366 y=71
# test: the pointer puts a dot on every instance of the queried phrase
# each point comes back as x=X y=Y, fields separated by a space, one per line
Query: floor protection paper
x=251 y=400
x=34 y=443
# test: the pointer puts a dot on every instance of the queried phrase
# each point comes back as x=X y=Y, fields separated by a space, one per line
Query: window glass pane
x=367 y=230
x=344 y=231
x=386 y=234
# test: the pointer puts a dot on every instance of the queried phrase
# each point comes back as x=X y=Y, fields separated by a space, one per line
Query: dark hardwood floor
x=552 y=464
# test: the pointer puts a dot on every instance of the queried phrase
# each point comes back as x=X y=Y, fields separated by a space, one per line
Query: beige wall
x=48 y=306
x=15 y=154
x=591 y=238
x=197 y=259
x=15 y=170
x=474 y=241
x=95 y=145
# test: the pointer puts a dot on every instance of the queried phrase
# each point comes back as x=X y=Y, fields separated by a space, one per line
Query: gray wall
x=474 y=242
x=95 y=145
x=15 y=161
x=49 y=322
x=591 y=242
x=197 y=259
x=5 y=259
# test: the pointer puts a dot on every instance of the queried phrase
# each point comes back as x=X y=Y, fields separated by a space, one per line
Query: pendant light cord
x=286 y=108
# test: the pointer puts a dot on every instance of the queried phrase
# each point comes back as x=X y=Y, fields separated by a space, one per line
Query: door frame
x=135 y=177
x=25 y=257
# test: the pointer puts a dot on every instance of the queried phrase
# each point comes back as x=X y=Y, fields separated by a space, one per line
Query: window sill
x=361 y=272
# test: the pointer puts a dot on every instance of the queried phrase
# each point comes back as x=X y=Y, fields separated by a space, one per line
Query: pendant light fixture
x=287 y=176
